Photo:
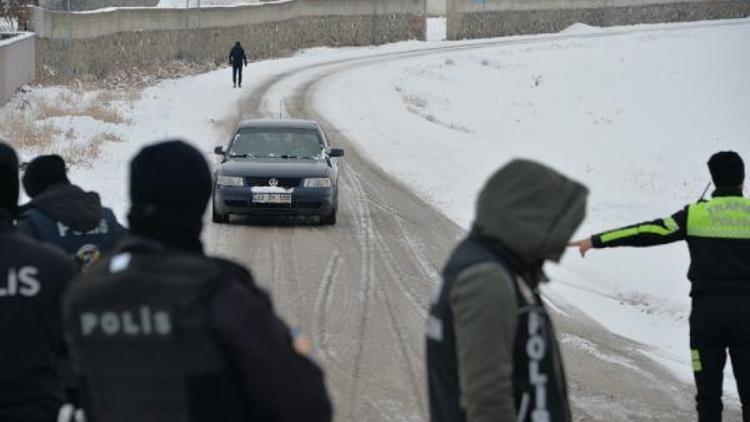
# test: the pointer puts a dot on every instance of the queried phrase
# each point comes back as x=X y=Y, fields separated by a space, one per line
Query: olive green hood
x=532 y=209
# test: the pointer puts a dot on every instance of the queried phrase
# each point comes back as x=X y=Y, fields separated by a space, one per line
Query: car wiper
x=304 y=157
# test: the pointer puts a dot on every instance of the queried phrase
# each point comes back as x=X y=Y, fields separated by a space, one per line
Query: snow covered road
x=366 y=283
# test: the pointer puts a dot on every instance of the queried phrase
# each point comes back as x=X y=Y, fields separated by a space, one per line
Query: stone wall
x=97 y=43
x=77 y=5
x=492 y=18
x=16 y=63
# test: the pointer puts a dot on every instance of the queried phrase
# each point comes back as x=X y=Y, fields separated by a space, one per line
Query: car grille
x=284 y=182
x=309 y=204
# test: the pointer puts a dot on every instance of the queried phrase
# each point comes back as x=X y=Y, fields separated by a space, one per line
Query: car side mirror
x=219 y=151
x=336 y=152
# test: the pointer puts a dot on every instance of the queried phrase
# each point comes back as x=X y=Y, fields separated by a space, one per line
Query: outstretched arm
x=649 y=233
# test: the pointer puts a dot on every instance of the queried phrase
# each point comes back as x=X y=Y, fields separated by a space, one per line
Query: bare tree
x=16 y=13
x=5 y=13
x=22 y=13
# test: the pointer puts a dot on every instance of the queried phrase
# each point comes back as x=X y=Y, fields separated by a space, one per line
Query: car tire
x=219 y=218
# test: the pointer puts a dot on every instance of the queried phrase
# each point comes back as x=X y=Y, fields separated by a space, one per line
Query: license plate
x=272 y=198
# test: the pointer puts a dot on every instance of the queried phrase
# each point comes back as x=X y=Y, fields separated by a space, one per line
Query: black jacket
x=73 y=220
x=197 y=330
x=32 y=278
x=237 y=56
x=718 y=237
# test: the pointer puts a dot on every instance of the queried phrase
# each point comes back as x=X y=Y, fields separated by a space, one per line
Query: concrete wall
x=16 y=64
x=436 y=7
x=99 y=42
x=491 y=18
x=76 y=5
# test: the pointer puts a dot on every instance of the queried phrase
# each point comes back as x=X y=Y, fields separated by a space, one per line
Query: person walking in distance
x=62 y=214
x=717 y=232
x=492 y=353
x=237 y=58
x=158 y=331
x=32 y=278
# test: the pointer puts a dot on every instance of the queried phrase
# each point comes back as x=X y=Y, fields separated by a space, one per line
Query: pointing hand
x=583 y=245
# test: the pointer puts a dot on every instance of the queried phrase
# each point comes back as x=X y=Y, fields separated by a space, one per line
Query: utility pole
x=70 y=41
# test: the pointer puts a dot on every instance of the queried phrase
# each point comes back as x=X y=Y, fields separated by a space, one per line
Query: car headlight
x=318 y=182
x=230 y=181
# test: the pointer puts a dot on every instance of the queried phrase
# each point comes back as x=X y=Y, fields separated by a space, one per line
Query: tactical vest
x=718 y=236
x=540 y=391
x=87 y=246
x=139 y=329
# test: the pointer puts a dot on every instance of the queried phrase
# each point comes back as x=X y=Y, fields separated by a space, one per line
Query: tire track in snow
x=381 y=222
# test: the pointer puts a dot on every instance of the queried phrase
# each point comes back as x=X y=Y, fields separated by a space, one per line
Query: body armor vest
x=139 y=329
x=540 y=391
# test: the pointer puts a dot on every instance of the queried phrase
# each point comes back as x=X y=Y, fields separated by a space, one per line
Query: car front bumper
x=238 y=200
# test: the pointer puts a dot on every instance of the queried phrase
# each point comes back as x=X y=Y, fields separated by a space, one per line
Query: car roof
x=279 y=123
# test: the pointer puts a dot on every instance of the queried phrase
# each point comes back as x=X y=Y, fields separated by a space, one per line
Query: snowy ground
x=436 y=29
x=6 y=26
x=634 y=116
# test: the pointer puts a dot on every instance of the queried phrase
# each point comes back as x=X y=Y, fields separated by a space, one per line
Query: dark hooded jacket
x=71 y=219
x=492 y=355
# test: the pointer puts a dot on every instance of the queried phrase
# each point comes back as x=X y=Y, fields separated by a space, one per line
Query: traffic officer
x=717 y=232
x=158 y=331
x=492 y=353
x=32 y=278
x=63 y=214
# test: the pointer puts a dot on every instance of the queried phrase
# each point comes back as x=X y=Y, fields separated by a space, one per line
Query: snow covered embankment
x=634 y=116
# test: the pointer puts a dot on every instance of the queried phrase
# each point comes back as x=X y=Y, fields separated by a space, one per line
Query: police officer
x=63 y=214
x=159 y=331
x=492 y=354
x=32 y=278
x=717 y=232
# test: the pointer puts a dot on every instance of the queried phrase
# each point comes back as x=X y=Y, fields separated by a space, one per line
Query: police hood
x=70 y=205
x=532 y=209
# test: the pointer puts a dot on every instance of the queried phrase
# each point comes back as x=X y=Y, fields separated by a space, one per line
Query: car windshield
x=277 y=143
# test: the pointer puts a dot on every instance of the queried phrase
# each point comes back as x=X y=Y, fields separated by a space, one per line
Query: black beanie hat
x=8 y=179
x=727 y=169
x=43 y=172
x=170 y=184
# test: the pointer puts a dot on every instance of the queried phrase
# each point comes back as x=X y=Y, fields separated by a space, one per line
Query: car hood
x=248 y=167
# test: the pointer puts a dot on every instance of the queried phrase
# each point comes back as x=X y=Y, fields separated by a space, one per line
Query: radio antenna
x=705 y=191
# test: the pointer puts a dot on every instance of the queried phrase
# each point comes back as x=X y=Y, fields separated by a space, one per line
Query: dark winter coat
x=73 y=220
x=196 y=330
x=237 y=56
x=492 y=355
x=32 y=279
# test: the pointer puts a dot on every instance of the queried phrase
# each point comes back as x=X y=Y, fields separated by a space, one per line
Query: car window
x=277 y=142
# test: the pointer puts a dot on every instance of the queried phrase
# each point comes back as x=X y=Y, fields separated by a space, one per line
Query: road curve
x=360 y=289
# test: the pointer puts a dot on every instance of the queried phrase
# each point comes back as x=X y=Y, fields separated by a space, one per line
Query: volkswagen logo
x=273 y=182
